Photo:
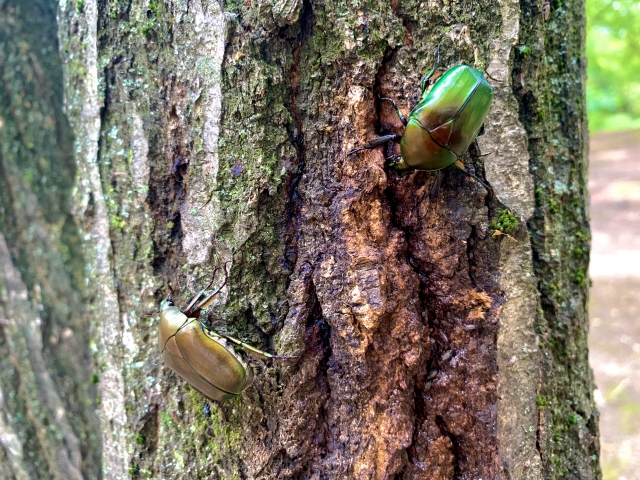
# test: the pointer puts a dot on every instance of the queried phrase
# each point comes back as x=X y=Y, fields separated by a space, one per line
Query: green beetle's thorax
x=172 y=319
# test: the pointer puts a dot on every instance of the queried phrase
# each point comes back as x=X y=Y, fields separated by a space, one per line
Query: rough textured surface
x=44 y=408
x=548 y=80
x=93 y=205
x=48 y=422
x=429 y=347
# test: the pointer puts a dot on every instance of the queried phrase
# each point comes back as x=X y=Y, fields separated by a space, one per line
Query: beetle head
x=167 y=302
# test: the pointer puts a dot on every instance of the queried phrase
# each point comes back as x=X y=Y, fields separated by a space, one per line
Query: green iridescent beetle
x=202 y=357
x=443 y=124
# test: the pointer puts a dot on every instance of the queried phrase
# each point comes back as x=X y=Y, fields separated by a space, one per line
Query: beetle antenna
x=477 y=180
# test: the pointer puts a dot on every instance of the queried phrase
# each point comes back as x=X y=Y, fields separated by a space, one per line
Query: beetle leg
x=376 y=142
x=492 y=78
x=207 y=301
x=391 y=152
x=435 y=187
x=253 y=350
x=460 y=166
x=434 y=191
x=199 y=294
x=481 y=131
x=400 y=166
x=219 y=405
x=403 y=119
x=424 y=84
x=474 y=150
x=425 y=81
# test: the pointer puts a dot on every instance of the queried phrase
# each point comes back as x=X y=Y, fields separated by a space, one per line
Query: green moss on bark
x=505 y=223
x=552 y=108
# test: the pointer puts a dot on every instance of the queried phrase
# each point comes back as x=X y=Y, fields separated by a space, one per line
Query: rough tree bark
x=48 y=422
x=429 y=348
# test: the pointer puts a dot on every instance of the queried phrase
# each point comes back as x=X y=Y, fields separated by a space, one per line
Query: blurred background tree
x=613 y=104
x=613 y=85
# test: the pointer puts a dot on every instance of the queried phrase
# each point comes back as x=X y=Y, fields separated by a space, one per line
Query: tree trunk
x=48 y=422
x=441 y=333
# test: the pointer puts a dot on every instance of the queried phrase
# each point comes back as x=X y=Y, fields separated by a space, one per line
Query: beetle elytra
x=202 y=357
x=444 y=123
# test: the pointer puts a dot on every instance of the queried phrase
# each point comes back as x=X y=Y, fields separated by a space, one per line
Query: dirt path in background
x=614 y=338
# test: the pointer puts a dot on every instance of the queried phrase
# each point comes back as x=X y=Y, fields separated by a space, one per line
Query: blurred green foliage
x=613 y=55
